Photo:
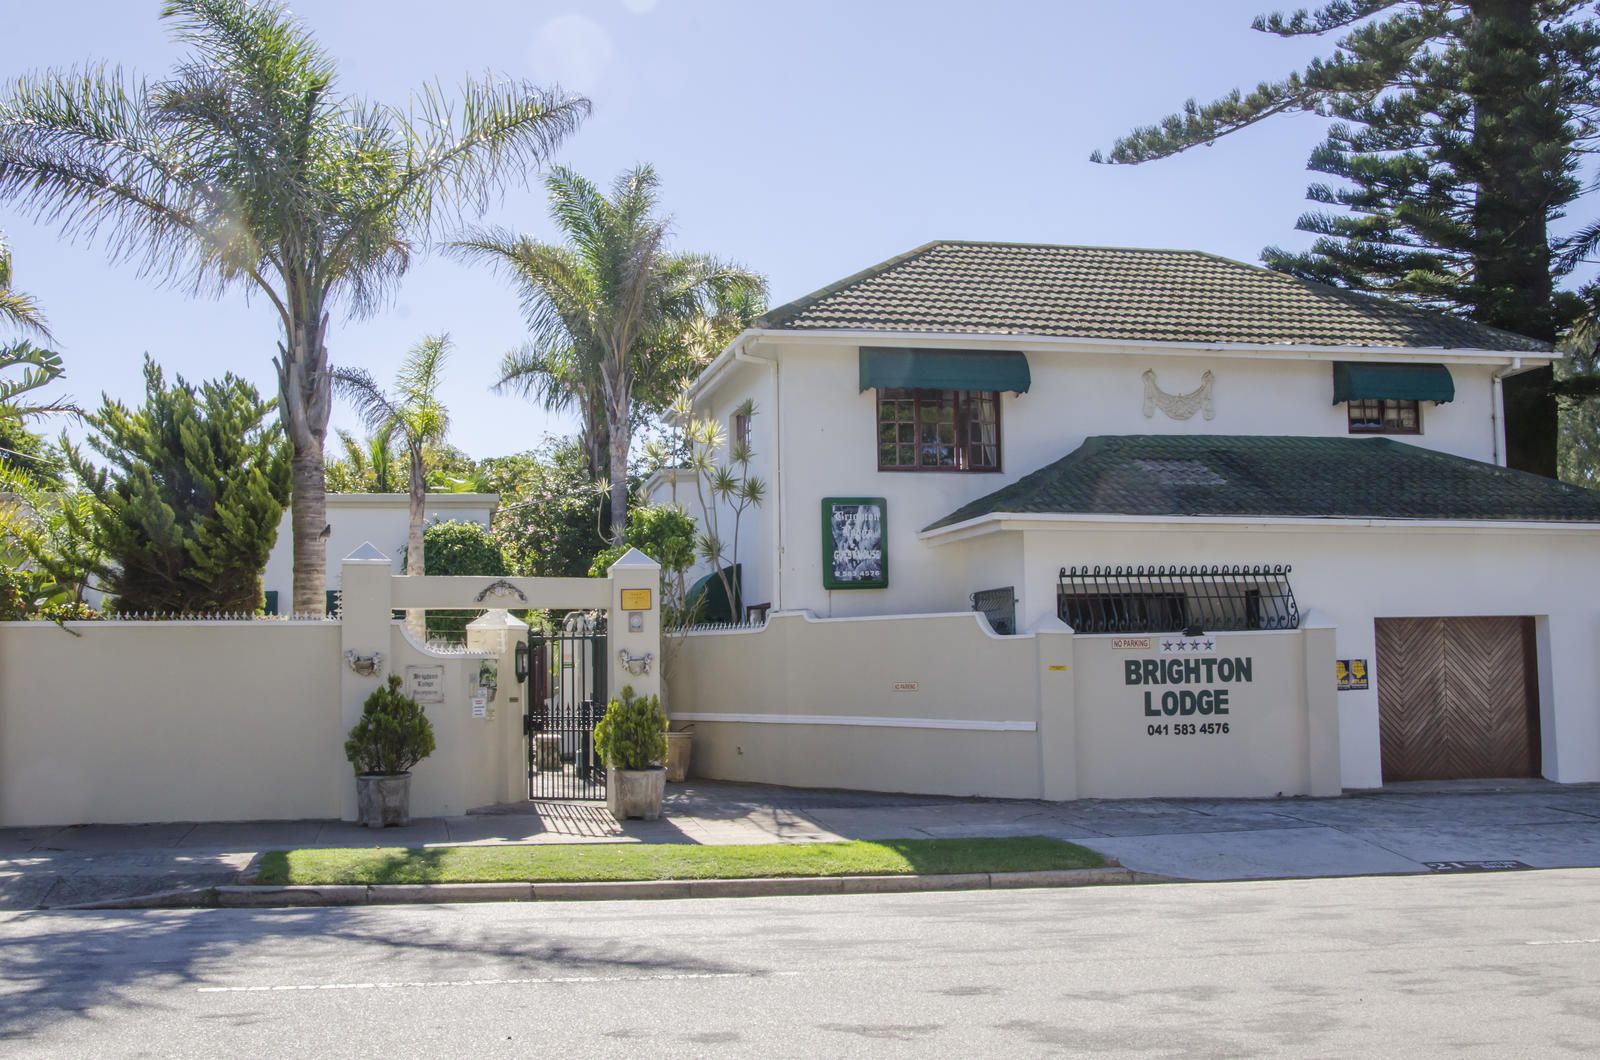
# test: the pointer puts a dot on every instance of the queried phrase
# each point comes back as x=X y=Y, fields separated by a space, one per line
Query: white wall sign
x=425 y=684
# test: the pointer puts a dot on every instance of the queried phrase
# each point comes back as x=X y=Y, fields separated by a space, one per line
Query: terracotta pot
x=384 y=799
x=635 y=792
x=680 y=748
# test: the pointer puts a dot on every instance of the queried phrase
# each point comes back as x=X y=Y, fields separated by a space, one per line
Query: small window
x=1384 y=416
x=938 y=430
x=739 y=432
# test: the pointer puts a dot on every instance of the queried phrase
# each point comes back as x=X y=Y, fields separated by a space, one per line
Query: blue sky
x=806 y=140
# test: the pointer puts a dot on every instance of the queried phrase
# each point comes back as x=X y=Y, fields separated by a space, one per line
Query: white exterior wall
x=827 y=432
x=757 y=529
x=1348 y=577
x=356 y=518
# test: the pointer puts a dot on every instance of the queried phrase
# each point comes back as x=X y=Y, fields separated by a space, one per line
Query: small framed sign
x=1351 y=674
x=636 y=599
x=855 y=543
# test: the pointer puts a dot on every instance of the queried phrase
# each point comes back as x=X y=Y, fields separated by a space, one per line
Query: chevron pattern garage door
x=1457 y=698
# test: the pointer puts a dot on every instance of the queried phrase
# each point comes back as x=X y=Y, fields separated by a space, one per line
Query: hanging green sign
x=855 y=543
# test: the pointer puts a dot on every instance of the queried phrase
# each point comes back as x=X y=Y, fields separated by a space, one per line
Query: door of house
x=1457 y=698
x=566 y=696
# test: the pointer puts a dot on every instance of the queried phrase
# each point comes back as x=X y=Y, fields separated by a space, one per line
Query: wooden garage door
x=1457 y=698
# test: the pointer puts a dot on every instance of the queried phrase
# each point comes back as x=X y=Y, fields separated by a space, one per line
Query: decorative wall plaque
x=1178 y=406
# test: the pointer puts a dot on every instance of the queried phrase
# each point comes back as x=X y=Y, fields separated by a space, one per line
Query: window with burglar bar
x=1170 y=599
x=938 y=430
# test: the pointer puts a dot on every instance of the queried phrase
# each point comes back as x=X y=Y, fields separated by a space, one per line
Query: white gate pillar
x=364 y=616
x=502 y=632
x=634 y=626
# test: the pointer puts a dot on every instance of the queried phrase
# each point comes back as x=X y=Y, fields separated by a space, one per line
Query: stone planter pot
x=680 y=748
x=384 y=800
x=635 y=792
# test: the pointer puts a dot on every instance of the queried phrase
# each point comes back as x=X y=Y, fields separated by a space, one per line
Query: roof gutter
x=996 y=522
x=721 y=361
x=1089 y=345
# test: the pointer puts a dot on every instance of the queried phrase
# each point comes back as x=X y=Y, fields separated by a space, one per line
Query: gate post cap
x=633 y=559
x=366 y=553
x=498 y=618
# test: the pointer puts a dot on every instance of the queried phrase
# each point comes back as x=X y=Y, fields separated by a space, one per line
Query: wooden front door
x=1457 y=698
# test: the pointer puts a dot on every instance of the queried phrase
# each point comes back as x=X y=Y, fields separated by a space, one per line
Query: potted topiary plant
x=632 y=741
x=392 y=736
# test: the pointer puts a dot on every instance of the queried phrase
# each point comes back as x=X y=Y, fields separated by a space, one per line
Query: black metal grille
x=1170 y=599
x=999 y=606
x=566 y=699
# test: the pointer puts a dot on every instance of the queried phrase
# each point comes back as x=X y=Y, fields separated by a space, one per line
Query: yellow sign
x=636 y=599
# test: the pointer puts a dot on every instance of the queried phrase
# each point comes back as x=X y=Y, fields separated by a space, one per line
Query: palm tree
x=367 y=465
x=608 y=308
x=18 y=310
x=412 y=413
x=247 y=167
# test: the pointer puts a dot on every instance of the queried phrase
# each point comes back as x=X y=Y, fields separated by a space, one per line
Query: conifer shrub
x=393 y=734
x=633 y=732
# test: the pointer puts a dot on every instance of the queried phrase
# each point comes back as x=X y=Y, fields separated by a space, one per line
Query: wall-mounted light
x=364 y=665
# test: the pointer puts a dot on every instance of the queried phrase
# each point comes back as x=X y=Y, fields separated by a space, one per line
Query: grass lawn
x=564 y=862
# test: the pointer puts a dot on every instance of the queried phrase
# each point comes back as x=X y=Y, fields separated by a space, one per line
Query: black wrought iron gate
x=566 y=696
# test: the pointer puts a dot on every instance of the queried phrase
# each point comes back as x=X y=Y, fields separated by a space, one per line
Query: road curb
x=259 y=896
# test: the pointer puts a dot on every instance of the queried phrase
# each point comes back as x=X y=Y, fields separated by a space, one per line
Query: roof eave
x=1304 y=351
x=997 y=522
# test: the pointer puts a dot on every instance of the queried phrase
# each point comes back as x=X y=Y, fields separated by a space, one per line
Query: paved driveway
x=1398 y=830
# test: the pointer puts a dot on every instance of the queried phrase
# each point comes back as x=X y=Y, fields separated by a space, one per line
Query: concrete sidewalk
x=1403 y=829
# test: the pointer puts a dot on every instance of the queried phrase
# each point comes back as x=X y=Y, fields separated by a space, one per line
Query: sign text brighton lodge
x=1186 y=702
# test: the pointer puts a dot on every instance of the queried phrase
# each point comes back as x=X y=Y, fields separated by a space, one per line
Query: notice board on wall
x=855 y=546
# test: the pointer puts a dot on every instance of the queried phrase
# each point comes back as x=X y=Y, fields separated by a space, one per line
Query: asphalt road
x=1487 y=964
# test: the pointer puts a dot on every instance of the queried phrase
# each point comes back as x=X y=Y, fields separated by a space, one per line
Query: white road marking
x=533 y=981
x=1563 y=942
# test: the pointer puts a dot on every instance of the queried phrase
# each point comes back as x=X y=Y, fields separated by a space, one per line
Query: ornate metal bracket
x=501 y=588
x=364 y=665
x=635 y=664
x=1178 y=406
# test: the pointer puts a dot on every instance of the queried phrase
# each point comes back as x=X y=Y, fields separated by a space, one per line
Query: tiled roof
x=1120 y=293
x=1327 y=478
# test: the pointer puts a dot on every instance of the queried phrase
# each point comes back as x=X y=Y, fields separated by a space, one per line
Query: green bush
x=633 y=732
x=664 y=532
x=393 y=734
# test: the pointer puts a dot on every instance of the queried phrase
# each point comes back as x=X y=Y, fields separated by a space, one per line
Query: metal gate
x=566 y=696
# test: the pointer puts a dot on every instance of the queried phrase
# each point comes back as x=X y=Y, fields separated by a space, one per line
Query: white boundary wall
x=938 y=704
x=205 y=720
x=116 y=722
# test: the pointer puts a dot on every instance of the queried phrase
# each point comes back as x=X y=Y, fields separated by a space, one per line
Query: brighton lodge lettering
x=1184 y=702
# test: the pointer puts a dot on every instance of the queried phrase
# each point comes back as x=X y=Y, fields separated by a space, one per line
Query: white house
x=1079 y=435
x=356 y=518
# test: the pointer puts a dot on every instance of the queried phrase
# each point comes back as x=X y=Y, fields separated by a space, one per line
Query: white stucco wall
x=815 y=437
x=1349 y=576
x=120 y=722
x=356 y=518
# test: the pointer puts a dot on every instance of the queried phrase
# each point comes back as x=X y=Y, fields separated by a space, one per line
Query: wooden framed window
x=739 y=432
x=1384 y=416
x=938 y=430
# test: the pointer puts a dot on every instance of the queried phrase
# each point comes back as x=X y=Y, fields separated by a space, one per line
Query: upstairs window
x=938 y=430
x=1385 y=416
x=739 y=434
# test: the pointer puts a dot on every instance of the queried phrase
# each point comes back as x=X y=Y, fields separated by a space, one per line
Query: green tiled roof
x=1120 y=293
x=1327 y=478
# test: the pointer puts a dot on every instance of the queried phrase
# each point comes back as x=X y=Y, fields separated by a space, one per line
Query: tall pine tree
x=1459 y=125
x=190 y=501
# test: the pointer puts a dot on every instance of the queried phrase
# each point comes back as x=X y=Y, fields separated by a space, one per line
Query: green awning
x=707 y=599
x=891 y=368
x=1362 y=380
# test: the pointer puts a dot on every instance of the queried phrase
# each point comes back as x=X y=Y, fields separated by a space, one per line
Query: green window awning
x=1362 y=380
x=893 y=368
